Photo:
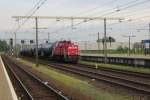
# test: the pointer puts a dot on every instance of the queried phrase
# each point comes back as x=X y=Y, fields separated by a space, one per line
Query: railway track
x=138 y=82
x=142 y=78
x=137 y=86
x=101 y=69
x=125 y=72
x=35 y=88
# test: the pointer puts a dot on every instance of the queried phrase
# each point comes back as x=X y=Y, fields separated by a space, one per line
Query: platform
x=118 y=55
x=6 y=89
x=133 y=60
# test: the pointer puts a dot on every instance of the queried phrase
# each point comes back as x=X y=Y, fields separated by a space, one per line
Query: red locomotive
x=65 y=51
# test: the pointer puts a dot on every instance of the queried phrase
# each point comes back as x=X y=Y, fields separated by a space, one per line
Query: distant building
x=146 y=44
x=138 y=45
x=86 y=45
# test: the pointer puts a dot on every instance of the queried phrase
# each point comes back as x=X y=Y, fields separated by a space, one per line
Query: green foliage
x=120 y=48
x=108 y=39
x=3 y=46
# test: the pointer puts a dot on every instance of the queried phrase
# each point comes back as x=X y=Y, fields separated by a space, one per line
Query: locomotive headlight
x=69 y=47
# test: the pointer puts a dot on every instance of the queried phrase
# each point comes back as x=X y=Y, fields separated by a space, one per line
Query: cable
x=109 y=13
x=124 y=8
x=112 y=12
x=95 y=8
x=92 y=9
x=136 y=4
x=38 y=5
x=104 y=11
x=33 y=7
x=139 y=3
x=144 y=11
x=130 y=20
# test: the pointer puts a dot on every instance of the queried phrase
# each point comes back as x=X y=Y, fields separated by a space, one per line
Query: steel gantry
x=105 y=19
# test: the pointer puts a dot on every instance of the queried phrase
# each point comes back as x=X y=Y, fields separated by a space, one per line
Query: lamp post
x=129 y=37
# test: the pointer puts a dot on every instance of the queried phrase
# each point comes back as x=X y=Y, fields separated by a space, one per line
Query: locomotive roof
x=65 y=41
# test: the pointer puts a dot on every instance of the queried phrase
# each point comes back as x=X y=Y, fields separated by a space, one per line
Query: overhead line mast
x=33 y=11
x=72 y=19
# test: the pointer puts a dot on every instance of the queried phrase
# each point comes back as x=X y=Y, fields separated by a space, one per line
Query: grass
x=76 y=84
x=122 y=67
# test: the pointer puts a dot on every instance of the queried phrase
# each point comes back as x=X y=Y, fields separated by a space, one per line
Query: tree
x=111 y=39
x=108 y=39
x=3 y=46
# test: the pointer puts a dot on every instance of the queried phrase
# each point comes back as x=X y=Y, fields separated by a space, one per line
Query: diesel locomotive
x=65 y=51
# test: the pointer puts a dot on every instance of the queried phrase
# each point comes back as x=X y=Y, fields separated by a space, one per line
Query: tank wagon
x=65 y=51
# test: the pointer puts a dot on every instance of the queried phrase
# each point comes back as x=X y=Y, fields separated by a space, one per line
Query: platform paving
x=6 y=89
x=118 y=55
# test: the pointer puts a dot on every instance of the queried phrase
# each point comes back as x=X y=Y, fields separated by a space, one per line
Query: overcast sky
x=135 y=12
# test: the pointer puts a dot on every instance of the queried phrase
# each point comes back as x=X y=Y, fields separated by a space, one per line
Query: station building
x=146 y=44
